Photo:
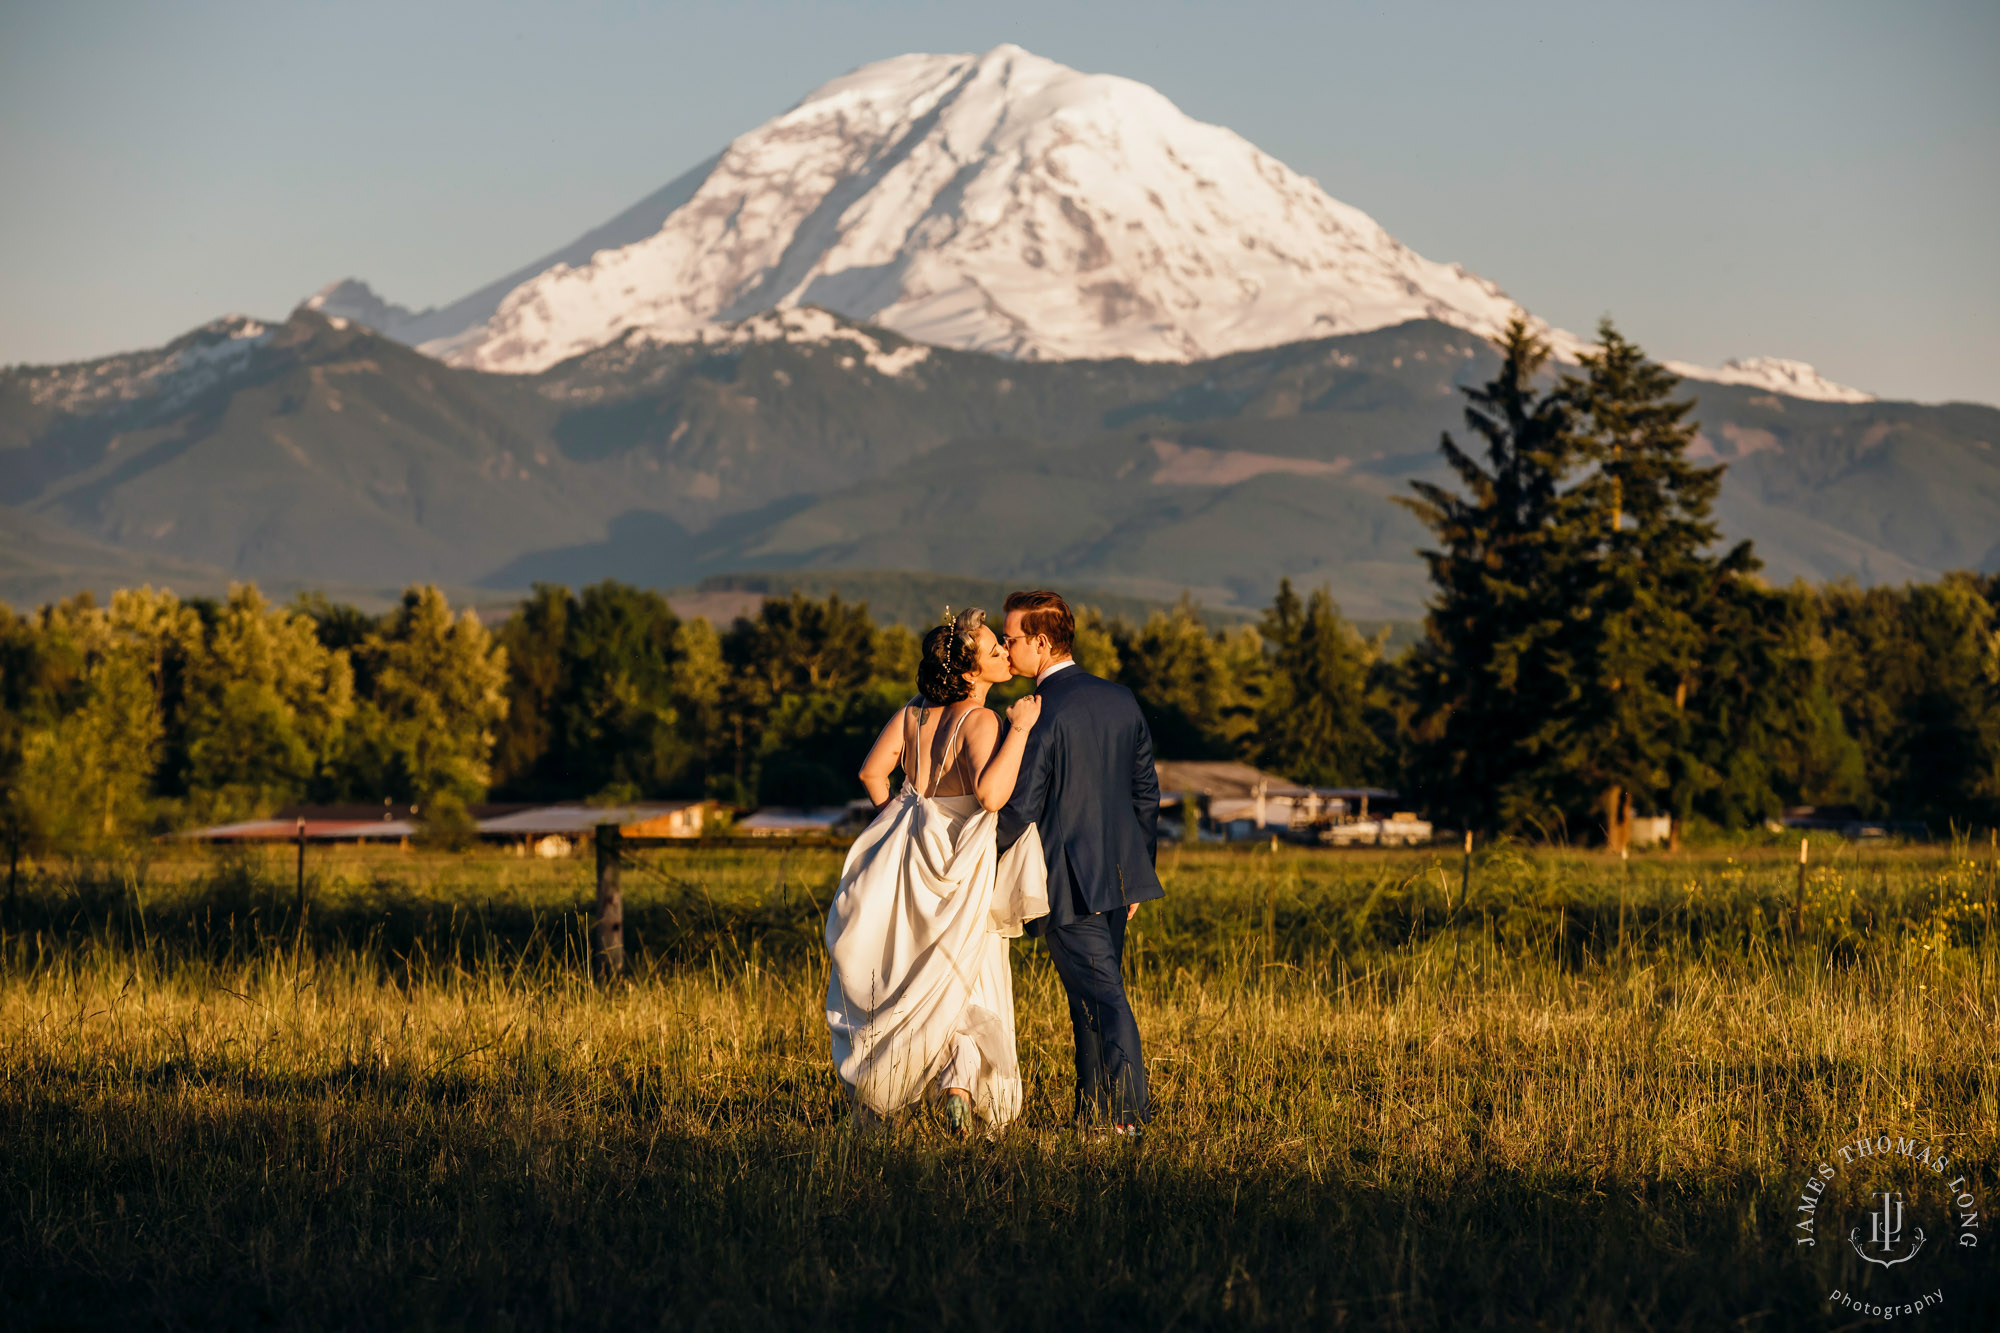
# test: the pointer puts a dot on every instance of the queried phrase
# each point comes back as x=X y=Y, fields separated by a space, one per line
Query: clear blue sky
x=1814 y=180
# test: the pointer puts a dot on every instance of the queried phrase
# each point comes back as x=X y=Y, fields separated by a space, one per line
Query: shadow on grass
x=358 y=1208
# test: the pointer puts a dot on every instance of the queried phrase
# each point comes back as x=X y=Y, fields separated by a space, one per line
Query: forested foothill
x=1593 y=651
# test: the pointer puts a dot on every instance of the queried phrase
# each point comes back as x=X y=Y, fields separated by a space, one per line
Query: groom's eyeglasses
x=1009 y=640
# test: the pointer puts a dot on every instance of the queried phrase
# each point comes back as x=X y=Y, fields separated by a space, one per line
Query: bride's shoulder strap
x=912 y=714
x=958 y=726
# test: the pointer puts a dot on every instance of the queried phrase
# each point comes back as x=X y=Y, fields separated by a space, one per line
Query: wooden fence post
x=1464 y=893
x=302 y=872
x=608 y=916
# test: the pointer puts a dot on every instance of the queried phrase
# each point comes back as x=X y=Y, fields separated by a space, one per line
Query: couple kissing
x=1045 y=826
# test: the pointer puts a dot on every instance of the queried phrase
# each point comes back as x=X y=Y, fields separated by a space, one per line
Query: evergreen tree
x=1282 y=619
x=1762 y=731
x=1916 y=672
x=1637 y=642
x=1199 y=690
x=1512 y=557
x=1314 y=724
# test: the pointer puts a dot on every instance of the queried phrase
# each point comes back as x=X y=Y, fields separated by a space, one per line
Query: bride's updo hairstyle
x=950 y=650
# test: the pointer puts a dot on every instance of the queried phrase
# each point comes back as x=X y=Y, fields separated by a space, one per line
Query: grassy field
x=1584 y=1098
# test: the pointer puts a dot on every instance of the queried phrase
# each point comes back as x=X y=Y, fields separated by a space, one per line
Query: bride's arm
x=883 y=756
x=999 y=773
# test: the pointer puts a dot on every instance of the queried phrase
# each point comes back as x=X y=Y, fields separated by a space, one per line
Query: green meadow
x=1567 y=1091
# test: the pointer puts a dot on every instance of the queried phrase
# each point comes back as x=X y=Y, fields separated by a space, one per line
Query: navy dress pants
x=1110 y=1069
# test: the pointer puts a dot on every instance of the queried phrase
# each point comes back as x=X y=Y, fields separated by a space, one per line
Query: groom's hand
x=1131 y=911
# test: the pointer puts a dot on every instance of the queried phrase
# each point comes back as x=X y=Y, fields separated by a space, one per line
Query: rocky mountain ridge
x=314 y=450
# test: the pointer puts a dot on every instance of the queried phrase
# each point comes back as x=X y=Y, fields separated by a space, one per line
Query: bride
x=919 y=996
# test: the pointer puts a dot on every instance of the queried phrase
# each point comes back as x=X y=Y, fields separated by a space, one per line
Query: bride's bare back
x=955 y=749
x=949 y=746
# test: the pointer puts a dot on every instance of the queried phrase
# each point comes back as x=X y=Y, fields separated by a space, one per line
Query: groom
x=1087 y=781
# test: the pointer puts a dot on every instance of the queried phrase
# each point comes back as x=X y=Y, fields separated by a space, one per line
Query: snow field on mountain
x=999 y=203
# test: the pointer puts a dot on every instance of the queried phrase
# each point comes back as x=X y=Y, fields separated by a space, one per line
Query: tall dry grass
x=411 y=1108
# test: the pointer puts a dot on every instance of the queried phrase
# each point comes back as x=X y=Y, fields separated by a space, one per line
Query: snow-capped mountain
x=1775 y=373
x=160 y=379
x=1002 y=203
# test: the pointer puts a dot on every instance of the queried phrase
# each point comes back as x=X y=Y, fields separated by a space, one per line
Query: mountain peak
x=999 y=202
x=353 y=299
x=1003 y=203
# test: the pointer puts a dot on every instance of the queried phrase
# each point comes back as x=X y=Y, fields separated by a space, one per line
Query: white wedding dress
x=920 y=994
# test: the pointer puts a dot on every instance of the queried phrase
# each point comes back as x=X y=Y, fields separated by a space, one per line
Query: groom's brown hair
x=1047 y=613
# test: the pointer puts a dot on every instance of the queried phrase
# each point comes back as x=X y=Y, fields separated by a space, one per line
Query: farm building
x=546 y=830
x=778 y=821
x=1241 y=801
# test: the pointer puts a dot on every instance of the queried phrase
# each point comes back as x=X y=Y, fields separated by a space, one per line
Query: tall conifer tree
x=1313 y=722
x=1641 y=635
x=1489 y=670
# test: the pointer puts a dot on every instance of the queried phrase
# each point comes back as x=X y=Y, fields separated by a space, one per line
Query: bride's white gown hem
x=919 y=994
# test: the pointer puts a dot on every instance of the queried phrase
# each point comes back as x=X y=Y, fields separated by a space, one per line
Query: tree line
x=1592 y=651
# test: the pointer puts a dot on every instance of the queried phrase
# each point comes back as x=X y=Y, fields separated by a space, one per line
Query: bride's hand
x=1024 y=712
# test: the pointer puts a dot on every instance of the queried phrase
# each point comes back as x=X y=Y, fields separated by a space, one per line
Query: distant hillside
x=41 y=561
x=314 y=452
x=918 y=600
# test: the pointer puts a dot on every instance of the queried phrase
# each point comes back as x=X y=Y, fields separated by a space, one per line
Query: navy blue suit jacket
x=1088 y=782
